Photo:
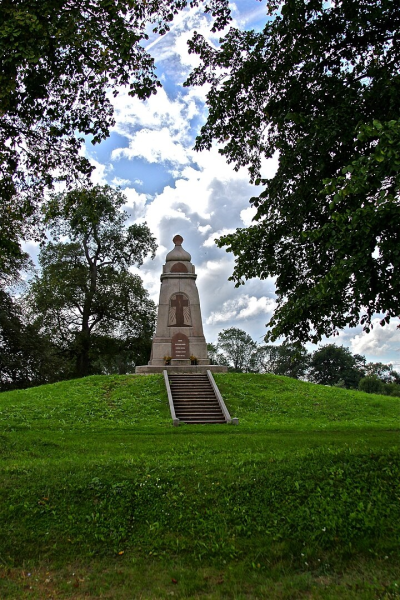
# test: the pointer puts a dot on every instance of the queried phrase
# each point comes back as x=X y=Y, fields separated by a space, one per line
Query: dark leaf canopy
x=331 y=364
x=320 y=86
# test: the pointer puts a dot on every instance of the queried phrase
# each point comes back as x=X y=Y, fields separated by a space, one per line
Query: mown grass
x=102 y=498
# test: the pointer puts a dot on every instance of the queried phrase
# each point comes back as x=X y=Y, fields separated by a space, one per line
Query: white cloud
x=155 y=146
x=380 y=342
x=119 y=181
x=247 y=215
x=136 y=202
x=210 y=241
x=173 y=45
x=99 y=175
x=203 y=229
x=257 y=306
x=241 y=309
x=245 y=19
x=159 y=111
x=269 y=166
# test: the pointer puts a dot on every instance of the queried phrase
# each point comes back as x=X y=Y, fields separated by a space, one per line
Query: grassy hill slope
x=302 y=498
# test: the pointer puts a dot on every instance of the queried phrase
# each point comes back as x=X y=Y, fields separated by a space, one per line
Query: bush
x=391 y=389
x=371 y=385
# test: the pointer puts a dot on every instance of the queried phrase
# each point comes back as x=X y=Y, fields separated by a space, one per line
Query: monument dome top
x=178 y=253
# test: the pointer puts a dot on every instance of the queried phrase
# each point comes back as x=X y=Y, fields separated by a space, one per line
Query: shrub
x=391 y=389
x=371 y=385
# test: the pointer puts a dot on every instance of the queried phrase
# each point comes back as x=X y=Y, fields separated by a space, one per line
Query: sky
x=198 y=195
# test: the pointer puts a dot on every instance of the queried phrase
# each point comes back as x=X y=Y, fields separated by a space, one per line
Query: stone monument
x=179 y=344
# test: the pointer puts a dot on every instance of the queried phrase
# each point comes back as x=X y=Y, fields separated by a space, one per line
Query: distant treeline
x=328 y=365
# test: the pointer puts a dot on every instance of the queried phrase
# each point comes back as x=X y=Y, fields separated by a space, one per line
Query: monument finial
x=178 y=239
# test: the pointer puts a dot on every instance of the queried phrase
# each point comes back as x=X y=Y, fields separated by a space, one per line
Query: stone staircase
x=194 y=399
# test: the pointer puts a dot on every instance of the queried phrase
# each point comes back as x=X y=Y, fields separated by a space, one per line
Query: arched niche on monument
x=180 y=346
x=179 y=268
x=179 y=311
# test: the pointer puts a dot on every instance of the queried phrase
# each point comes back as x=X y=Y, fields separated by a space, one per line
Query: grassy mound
x=302 y=498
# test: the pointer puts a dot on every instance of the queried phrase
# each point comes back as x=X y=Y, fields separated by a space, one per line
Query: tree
x=380 y=379
x=288 y=359
x=216 y=358
x=27 y=357
x=332 y=364
x=238 y=348
x=371 y=384
x=85 y=292
x=109 y=354
x=320 y=85
x=391 y=389
x=384 y=372
x=60 y=63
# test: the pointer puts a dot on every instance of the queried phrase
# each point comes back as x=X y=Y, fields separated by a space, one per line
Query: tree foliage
x=320 y=85
x=27 y=357
x=216 y=357
x=371 y=384
x=384 y=372
x=287 y=359
x=85 y=294
x=59 y=64
x=333 y=365
x=238 y=348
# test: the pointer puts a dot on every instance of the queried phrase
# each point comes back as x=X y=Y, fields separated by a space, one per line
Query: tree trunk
x=82 y=353
x=83 y=359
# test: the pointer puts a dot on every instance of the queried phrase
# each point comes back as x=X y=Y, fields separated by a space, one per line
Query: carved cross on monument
x=179 y=304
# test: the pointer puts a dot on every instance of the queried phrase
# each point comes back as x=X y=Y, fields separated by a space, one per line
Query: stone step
x=193 y=378
x=184 y=396
x=187 y=401
x=190 y=383
x=200 y=415
x=191 y=375
x=195 y=403
x=203 y=388
x=191 y=401
x=192 y=390
x=200 y=383
x=183 y=402
x=205 y=422
x=198 y=409
x=188 y=378
x=191 y=395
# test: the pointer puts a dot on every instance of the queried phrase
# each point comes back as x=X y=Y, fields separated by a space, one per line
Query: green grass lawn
x=101 y=497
